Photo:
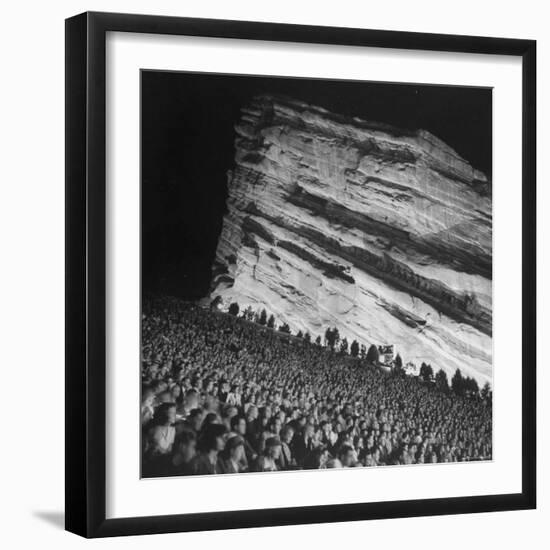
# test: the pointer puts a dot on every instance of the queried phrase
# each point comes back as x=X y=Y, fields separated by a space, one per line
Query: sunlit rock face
x=384 y=233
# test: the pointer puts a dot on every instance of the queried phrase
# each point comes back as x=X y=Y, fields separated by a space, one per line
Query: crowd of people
x=224 y=395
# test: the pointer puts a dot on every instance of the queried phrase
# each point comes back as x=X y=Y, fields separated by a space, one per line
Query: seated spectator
x=189 y=402
x=347 y=456
x=286 y=460
x=211 y=443
x=147 y=409
x=303 y=443
x=267 y=462
x=183 y=453
x=316 y=459
x=193 y=421
x=233 y=455
x=239 y=427
x=162 y=433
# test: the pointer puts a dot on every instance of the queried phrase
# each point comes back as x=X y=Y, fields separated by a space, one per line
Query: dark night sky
x=187 y=148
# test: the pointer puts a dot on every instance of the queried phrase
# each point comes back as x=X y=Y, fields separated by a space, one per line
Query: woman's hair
x=313 y=459
x=160 y=416
x=195 y=412
x=210 y=419
x=231 y=443
x=209 y=436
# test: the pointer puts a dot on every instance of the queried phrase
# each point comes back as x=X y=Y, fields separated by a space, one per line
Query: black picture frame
x=86 y=285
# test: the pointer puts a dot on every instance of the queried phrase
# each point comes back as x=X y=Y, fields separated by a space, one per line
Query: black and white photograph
x=273 y=276
x=316 y=274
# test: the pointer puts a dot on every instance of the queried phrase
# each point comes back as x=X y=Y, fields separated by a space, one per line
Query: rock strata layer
x=384 y=233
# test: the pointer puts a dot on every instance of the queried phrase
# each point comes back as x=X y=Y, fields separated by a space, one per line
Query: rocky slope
x=384 y=233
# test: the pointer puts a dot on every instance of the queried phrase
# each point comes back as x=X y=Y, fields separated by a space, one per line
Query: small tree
x=307 y=337
x=271 y=322
x=318 y=340
x=373 y=354
x=471 y=386
x=457 y=383
x=354 y=348
x=441 y=381
x=300 y=334
x=263 y=318
x=328 y=336
x=426 y=372
x=398 y=369
x=336 y=336
x=284 y=328
x=486 y=390
x=234 y=309
x=363 y=351
x=344 y=346
x=332 y=336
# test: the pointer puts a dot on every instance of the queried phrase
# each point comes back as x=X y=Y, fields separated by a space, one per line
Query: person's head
x=333 y=463
x=273 y=447
x=234 y=448
x=185 y=445
x=210 y=403
x=196 y=417
x=238 y=425
x=212 y=438
x=153 y=369
x=265 y=413
x=252 y=413
x=147 y=396
x=347 y=456
x=165 y=414
x=191 y=399
x=287 y=433
x=275 y=425
x=165 y=397
x=210 y=418
x=230 y=411
x=309 y=430
x=316 y=459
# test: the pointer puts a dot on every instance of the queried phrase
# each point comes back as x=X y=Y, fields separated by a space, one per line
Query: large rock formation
x=384 y=233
